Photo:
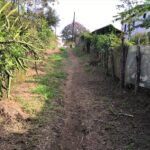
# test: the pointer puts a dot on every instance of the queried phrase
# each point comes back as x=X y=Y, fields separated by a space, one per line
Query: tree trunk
x=97 y=53
x=9 y=76
x=138 y=69
x=88 y=47
x=84 y=46
x=100 y=56
x=103 y=60
x=122 y=59
x=112 y=63
x=35 y=64
x=106 y=62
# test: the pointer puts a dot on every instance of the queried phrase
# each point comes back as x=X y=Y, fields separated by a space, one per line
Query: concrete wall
x=145 y=66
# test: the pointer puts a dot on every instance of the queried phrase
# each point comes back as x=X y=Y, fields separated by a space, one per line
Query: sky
x=93 y=14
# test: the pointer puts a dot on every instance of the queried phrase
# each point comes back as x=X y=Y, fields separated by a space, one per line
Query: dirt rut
x=71 y=132
x=95 y=112
x=77 y=132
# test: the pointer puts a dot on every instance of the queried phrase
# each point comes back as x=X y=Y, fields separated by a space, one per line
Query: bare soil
x=101 y=116
x=96 y=115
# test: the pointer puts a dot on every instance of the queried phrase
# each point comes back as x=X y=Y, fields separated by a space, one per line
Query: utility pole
x=73 y=25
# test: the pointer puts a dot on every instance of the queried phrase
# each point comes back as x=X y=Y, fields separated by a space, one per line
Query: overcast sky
x=93 y=14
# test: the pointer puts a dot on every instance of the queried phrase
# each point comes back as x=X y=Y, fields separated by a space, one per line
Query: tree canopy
x=130 y=10
x=51 y=17
x=67 y=32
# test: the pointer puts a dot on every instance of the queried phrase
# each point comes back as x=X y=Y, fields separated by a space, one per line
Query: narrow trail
x=71 y=134
x=95 y=114
x=92 y=105
x=77 y=132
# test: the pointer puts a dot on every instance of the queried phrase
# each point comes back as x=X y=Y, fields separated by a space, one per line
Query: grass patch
x=47 y=91
x=62 y=49
x=56 y=61
x=78 y=52
x=59 y=75
x=130 y=146
x=88 y=68
x=47 y=88
x=31 y=106
x=83 y=56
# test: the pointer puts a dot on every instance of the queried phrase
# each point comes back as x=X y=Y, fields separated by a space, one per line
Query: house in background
x=137 y=29
x=107 y=30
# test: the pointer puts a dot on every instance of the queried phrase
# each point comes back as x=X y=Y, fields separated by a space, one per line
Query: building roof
x=107 y=29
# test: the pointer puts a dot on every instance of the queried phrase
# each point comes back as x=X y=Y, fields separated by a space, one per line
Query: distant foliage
x=68 y=30
x=86 y=36
x=62 y=49
x=141 y=37
x=106 y=41
x=129 y=12
x=51 y=18
x=146 y=23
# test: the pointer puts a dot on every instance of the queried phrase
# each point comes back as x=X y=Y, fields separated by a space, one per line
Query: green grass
x=59 y=75
x=130 y=146
x=47 y=91
x=48 y=85
x=31 y=106
x=83 y=56
x=62 y=49
x=78 y=52
x=88 y=68
x=47 y=88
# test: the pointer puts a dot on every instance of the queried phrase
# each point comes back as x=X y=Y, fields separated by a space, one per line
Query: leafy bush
x=85 y=36
x=22 y=38
x=143 y=37
x=106 y=41
x=62 y=49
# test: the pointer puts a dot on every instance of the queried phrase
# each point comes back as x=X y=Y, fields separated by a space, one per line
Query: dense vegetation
x=23 y=37
x=130 y=12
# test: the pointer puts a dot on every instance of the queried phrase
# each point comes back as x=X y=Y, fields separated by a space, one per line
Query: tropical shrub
x=22 y=39
x=141 y=37
x=86 y=37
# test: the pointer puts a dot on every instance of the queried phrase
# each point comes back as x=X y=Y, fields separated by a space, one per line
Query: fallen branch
x=125 y=114
x=121 y=114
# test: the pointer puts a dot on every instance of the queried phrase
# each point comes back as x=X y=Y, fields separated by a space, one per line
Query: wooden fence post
x=138 y=67
x=112 y=63
x=122 y=61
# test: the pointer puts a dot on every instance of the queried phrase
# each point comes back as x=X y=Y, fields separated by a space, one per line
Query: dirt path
x=77 y=132
x=71 y=133
x=96 y=113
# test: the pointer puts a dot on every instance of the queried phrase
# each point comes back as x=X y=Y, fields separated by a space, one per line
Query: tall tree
x=51 y=17
x=146 y=22
x=128 y=9
x=67 y=31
